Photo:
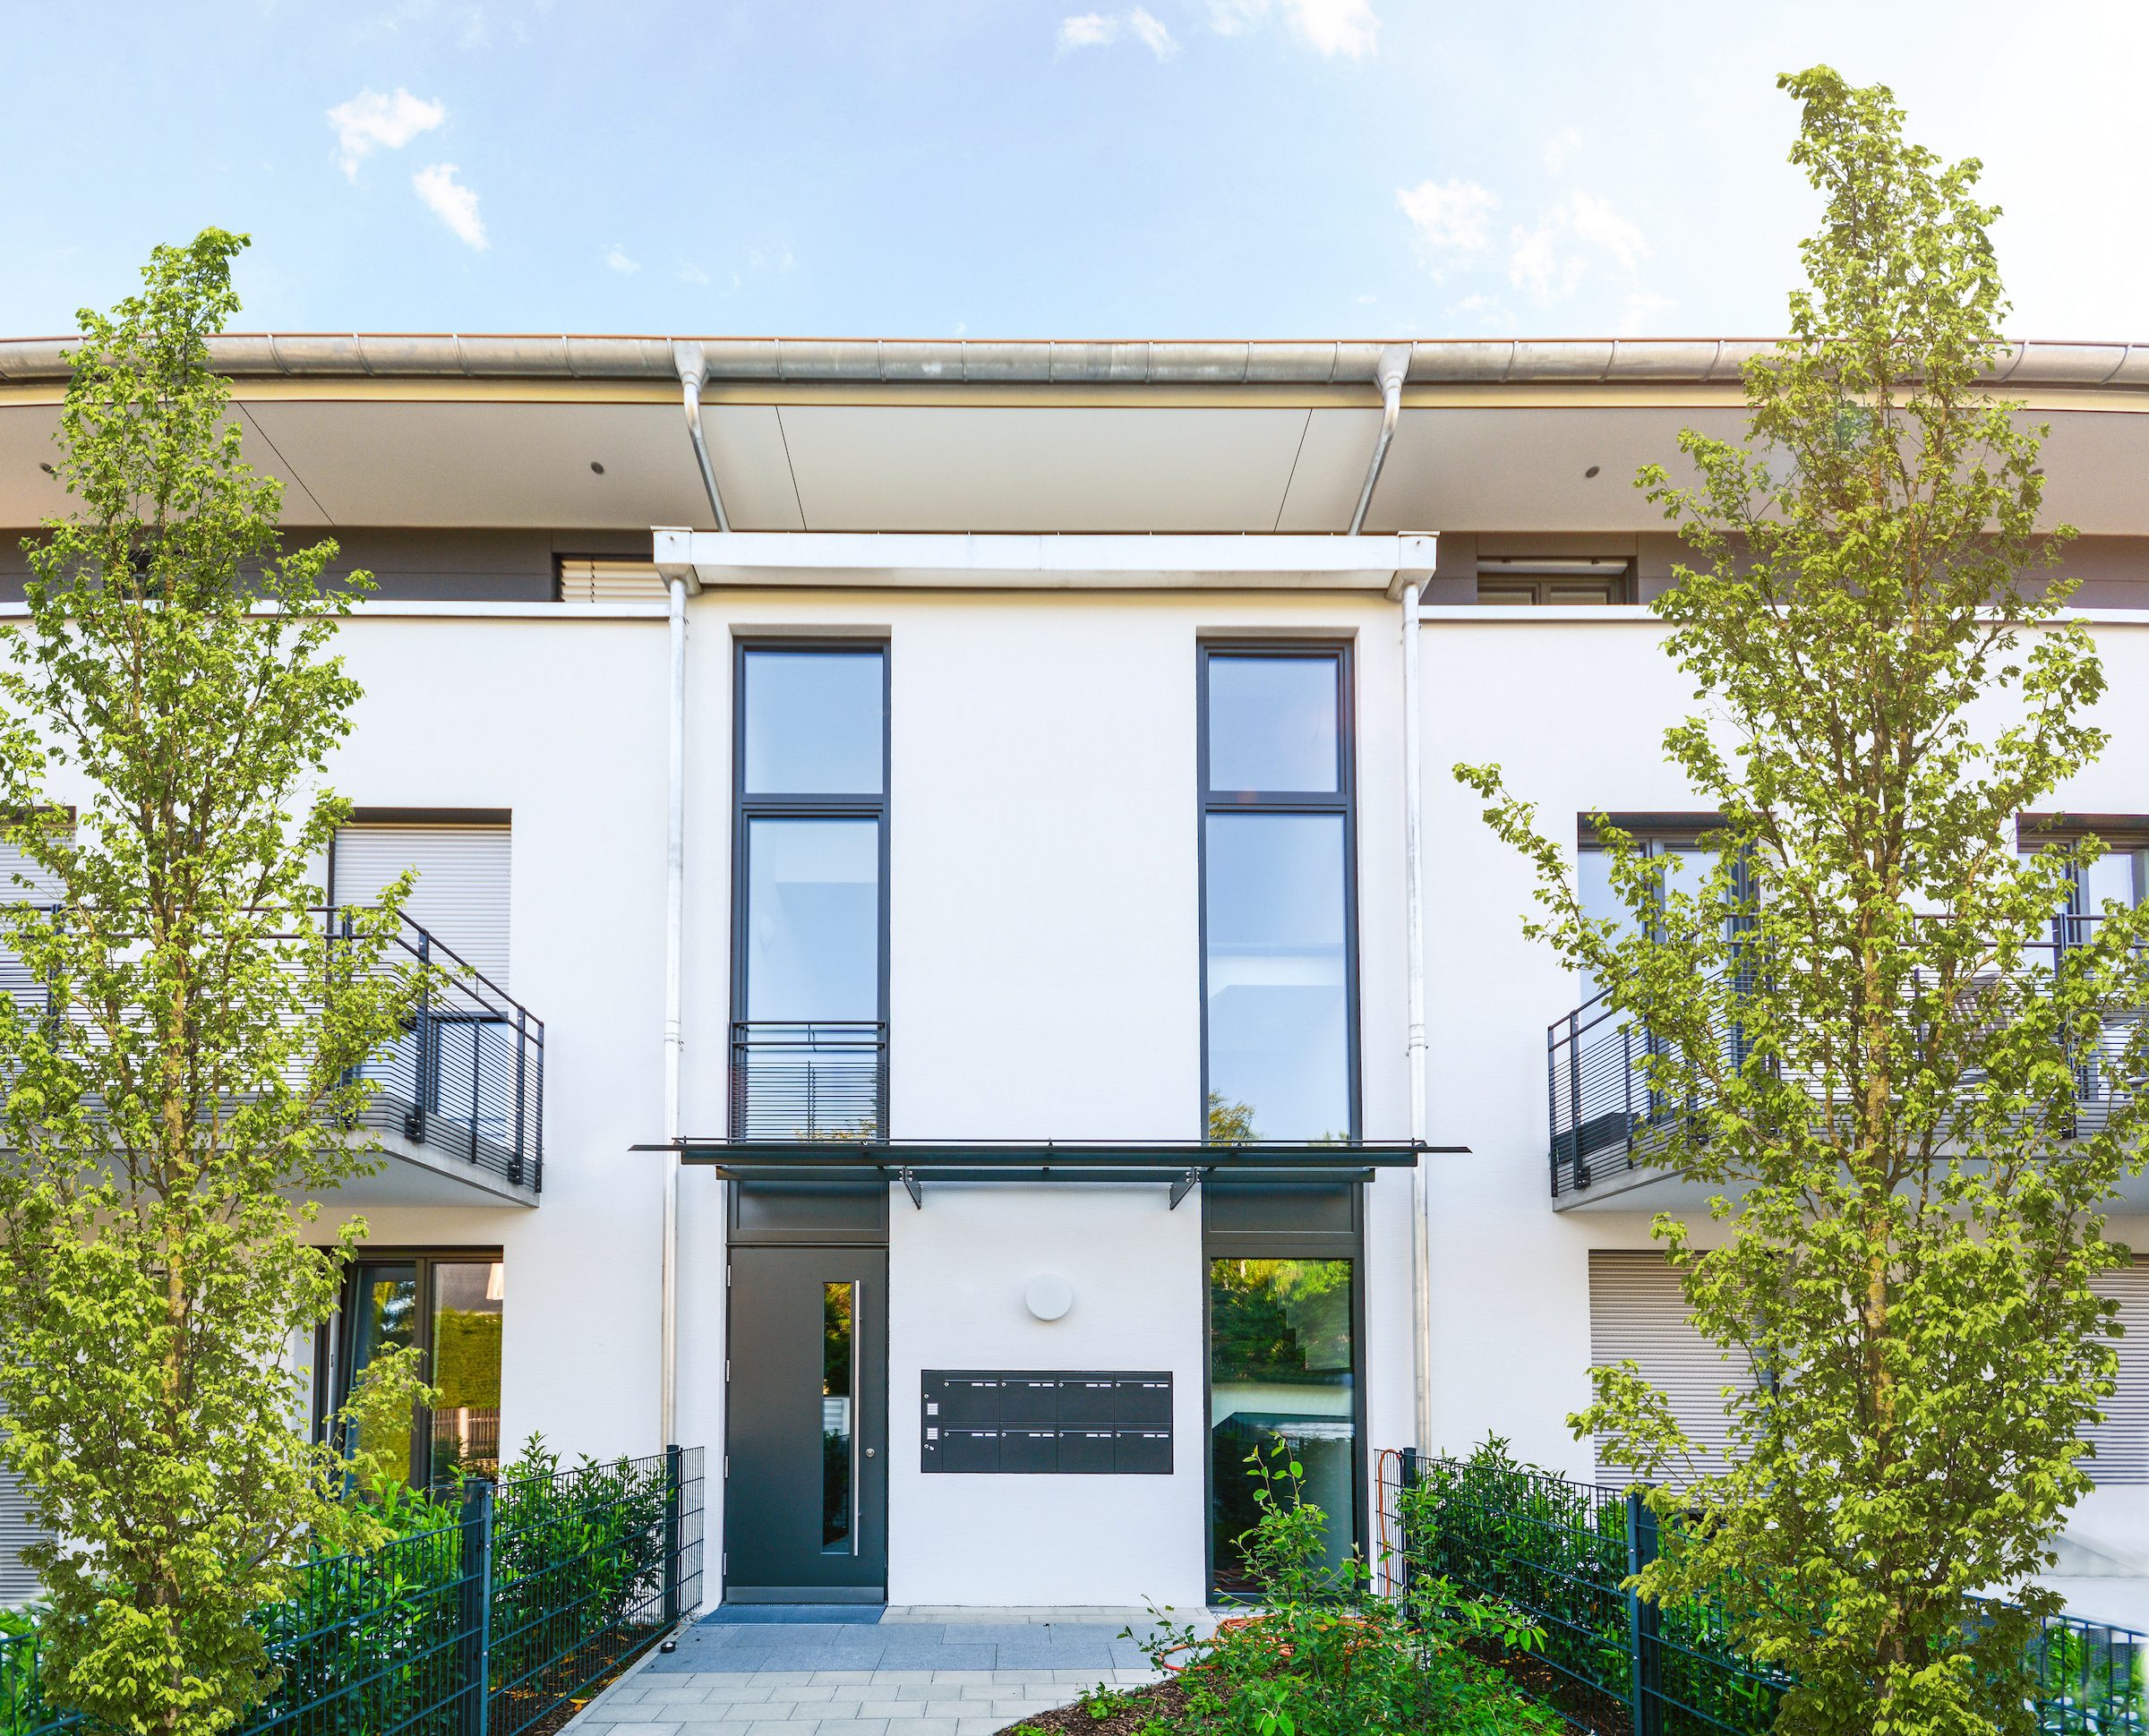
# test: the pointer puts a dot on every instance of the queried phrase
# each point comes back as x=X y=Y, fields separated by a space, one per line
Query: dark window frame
x=1228 y=1242
x=1342 y=800
x=805 y=806
x=332 y=1338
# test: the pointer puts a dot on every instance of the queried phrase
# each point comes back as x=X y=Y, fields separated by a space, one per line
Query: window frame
x=1341 y=801
x=747 y=808
x=331 y=1337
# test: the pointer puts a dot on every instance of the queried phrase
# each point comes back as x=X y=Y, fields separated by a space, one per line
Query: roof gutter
x=748 y=361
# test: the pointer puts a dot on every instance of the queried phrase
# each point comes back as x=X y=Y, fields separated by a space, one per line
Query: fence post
x=1644 y=1686
x=672 y=1505
x=1402 y=1536
x=474 y=1595
x=522 y=1044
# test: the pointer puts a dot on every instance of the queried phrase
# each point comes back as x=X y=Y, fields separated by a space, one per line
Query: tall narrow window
x=809 y=986
x=1279 y=964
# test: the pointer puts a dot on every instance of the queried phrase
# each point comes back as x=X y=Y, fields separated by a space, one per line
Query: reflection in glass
x=838 y=1320
x=467 y=1300
x=1272 y=724
x=812 y=721
x=813 y=919
x=1280 y=1369
x=1278 y=1039
x=385 y=1318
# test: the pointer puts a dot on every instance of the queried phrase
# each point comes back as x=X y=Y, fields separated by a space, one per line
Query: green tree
x=180 y=1077
x=1878 y=1057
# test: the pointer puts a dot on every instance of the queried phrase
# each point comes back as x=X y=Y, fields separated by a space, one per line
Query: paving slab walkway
x=868 y=1672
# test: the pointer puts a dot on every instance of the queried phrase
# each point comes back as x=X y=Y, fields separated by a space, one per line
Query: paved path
x=831 y=1672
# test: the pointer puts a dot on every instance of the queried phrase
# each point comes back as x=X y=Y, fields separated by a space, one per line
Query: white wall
x=956 y=1274
x=1574 y=712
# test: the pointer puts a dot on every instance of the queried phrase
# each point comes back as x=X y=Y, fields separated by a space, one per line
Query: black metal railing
x=809 y=1081
x=464 y=1075
x=1605 y=1120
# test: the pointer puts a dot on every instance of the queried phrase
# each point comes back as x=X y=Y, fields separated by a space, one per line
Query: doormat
x=838 y=1615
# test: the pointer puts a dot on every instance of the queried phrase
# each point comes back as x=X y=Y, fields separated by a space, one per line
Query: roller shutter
x=18 y=1583
x=1637 y=1313
x=610 y=581
x=461 y=897
x=2122 y=1438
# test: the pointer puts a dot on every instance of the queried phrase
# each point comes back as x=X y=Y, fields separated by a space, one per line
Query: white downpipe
x=1395 y=362
x=1413 y=972
x=675 y=890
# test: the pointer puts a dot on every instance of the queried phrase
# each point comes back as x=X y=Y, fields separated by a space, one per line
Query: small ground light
x=1589 y=472
x=669 y=1646
x=596 y=468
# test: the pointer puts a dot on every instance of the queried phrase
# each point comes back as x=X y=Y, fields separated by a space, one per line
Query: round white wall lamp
x=1049 y=1295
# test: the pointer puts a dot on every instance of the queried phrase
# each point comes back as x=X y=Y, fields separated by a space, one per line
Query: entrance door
x=806 y=1489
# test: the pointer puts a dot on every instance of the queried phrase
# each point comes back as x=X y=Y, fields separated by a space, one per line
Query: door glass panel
x=1279 y=1031
x=838 y=1424
x=813 y=723
x=384 y=1317
x=1272 y=724
x=813 y=919
x=467 y=1299
x=1281 y=1369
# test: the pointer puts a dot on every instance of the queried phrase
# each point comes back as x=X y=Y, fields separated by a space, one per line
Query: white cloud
x=1330 y=27
x=1638 y=312
x=1560 y=146
x=371 y=121
x=1595 y=221
x=1451 y=218
x=693 y=274
x=448 y=199
x=1549 y=261
x=1089 y=29
x=615 y=256
x=1097 y=30
x=1151 y=32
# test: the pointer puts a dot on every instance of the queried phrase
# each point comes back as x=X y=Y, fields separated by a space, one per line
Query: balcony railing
x=464 y=1076
x=819 y=1080
x=1605 y=1121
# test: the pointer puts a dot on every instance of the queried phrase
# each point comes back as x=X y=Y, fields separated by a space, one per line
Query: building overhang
x=1178 y=1166
x=1060 y=559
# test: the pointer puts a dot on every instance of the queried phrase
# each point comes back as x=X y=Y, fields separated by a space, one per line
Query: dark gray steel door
x=806 y=1490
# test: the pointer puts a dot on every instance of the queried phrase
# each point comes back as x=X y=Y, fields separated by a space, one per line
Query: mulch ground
x=1164 y=1699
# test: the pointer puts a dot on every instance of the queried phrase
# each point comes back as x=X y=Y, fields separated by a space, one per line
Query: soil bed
x=1163 y=1700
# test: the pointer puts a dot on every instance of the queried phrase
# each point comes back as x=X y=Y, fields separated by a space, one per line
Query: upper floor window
x=1679 y=842
x=810 y=982
x=1278 y=950
x=463 y=863
x=1549 y=583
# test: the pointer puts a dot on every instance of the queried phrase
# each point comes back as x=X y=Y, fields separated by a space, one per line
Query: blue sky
x=1198 y=168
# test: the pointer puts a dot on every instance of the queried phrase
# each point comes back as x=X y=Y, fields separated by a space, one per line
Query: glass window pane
x=384 y=1317
x=838 y=1311
x=1272 y=724
x=1282 y=1370
x=467 y=1300
x=1278 y=1017
x=813 y=920
x=812 y=723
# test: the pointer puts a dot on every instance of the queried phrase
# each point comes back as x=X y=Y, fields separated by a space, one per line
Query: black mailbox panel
x=1045 y=1422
